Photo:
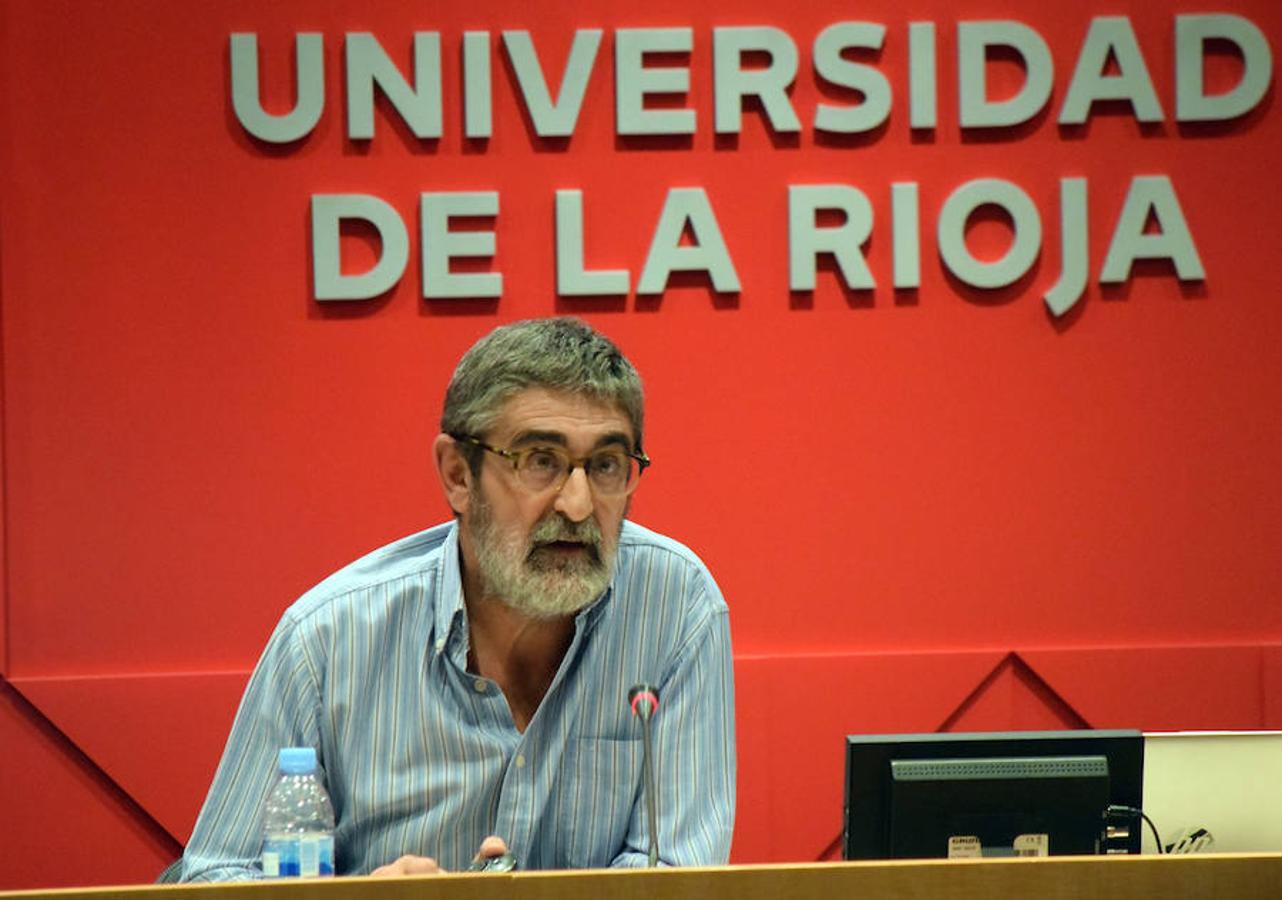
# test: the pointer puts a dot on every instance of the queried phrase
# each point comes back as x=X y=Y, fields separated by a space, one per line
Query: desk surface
x=1195 y=877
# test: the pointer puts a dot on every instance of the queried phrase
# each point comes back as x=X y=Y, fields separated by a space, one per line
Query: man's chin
x=555 y=594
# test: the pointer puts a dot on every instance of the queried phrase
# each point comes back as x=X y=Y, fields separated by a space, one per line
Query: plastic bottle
x=298 y=820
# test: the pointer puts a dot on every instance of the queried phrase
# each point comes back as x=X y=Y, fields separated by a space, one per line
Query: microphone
x=644 y=701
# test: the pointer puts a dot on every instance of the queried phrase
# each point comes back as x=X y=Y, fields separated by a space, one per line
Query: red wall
x=931 y=509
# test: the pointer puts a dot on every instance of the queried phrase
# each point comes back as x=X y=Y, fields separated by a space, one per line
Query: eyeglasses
x=610 y=471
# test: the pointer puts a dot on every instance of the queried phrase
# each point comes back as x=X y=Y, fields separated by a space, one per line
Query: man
x=466 y=688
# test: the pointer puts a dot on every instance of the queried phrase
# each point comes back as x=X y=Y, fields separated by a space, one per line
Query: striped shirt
x=420 y=756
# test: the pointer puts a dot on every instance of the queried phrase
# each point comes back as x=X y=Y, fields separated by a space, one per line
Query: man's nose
x=574 y=499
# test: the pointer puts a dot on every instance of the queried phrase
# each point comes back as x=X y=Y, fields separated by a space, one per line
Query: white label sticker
x=1032 y=845
x=309 y=856
x=964 y=846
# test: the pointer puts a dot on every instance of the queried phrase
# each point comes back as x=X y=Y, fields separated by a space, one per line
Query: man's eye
x=607 y=463
x=542 y=461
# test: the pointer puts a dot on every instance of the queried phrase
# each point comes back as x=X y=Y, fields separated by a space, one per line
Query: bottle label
x=280 y=856
x=315 y=855
x=294 y=856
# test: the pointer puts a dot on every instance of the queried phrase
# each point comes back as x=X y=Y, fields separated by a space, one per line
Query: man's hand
x=409 y=865
x=491 y=847
x=425 y=865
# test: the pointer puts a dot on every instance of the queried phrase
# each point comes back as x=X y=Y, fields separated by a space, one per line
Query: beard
x=536 y=573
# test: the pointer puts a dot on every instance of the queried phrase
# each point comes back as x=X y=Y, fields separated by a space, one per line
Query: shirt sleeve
x=694 y=752
x=279 y=709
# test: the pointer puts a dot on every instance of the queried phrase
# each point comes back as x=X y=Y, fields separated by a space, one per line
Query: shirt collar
x=450 y=612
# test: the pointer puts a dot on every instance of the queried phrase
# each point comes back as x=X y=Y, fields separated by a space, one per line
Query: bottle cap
x=297 y=760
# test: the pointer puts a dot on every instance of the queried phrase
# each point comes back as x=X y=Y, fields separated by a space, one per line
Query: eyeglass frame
x=515 y=456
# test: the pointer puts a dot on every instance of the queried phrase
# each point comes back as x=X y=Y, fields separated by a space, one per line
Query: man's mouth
x=566 y=550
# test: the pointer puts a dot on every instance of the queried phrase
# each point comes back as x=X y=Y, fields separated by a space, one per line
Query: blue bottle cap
x=297 y=760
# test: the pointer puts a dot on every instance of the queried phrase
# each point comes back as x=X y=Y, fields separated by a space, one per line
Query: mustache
x=555 y=528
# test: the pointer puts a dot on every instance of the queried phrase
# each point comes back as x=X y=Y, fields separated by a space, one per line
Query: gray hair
x=558 y=354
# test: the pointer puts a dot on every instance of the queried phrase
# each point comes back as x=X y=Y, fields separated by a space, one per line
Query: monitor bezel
x=866 y=813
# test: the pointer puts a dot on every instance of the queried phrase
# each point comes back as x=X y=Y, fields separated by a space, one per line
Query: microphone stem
x=647 y=765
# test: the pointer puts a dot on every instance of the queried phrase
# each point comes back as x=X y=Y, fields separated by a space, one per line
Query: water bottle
x=298 y=820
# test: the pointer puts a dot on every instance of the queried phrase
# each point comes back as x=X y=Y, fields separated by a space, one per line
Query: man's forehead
x=543 y=411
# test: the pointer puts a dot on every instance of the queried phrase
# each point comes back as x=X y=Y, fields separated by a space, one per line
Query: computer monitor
x=1029 y=793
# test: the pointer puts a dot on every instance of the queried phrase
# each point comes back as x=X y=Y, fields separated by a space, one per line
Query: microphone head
x=644 y=700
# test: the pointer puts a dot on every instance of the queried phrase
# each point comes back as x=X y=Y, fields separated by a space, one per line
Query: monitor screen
x=1017 y=793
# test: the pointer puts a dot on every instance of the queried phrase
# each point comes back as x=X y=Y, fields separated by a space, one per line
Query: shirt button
x=520 y=761
x=479 y=684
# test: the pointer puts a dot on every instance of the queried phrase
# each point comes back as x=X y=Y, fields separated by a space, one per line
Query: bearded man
x=466 y=688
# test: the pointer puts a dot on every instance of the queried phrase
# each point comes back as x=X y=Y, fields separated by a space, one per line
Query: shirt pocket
x=597 y=794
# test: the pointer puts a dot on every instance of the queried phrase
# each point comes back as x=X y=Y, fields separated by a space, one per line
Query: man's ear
x=454 y=472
